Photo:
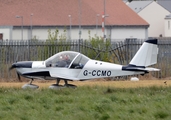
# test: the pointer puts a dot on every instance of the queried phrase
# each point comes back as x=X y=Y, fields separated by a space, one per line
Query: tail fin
x=146 y=55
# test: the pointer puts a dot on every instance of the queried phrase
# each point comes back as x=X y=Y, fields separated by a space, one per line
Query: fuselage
x=92 y=69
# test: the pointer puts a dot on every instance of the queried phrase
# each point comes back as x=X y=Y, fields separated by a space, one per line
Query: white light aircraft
x=74 y=66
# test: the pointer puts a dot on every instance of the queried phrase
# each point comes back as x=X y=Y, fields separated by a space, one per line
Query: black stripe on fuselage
x=131 y=67
x=39 y=73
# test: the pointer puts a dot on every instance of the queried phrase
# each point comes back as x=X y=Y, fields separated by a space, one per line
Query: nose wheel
x=30 y=85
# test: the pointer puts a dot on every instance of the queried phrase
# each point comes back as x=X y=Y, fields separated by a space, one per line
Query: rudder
x=147 y=54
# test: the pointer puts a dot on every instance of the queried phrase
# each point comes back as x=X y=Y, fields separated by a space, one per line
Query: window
x=168 y=24
x=79 y=62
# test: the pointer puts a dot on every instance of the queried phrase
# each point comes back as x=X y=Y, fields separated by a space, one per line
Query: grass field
x=117 y=84
x=101 y=100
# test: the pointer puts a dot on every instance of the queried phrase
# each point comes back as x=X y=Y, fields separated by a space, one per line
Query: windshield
x=68 y=59
x=61 y=59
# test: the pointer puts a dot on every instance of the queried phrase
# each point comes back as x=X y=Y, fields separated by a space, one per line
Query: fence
x=117 y=52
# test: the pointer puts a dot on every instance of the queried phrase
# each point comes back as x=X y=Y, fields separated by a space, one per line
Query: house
x=168 y=25
x=74 y=19
x=153 y=13
x=165 y=4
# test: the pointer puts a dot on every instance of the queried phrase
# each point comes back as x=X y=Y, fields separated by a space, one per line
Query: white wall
x=168 y=27
x=39 y=33
x=119 y=33
x=5 y=30
x=122 y=33
x=154 y=14
x=42 y=33
x=17 y=34
x=113 y=33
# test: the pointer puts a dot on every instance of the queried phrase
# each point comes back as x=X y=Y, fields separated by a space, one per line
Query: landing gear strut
x=57 y=86
x=30 y=85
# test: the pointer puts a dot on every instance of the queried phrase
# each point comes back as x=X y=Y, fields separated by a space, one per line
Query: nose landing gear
x=30 y=85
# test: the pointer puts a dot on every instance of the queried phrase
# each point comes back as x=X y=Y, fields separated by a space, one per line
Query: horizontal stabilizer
x=152 y=69
x=138 y=68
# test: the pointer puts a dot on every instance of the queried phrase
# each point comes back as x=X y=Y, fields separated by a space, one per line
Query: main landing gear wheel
x=70 y=85
x=30 y=85
x=57 y=86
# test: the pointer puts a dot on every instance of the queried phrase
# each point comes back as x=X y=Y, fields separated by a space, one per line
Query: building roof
x=165 y=4
x=137 y=6
x=55 y=13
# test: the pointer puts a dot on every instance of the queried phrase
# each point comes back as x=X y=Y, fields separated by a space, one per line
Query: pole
x=17 y=16
x=70 y=26
x=79 y=24
x=31 y=26
x=30 y=36
x=97 y=23
x=22 y=26
x=104 y=18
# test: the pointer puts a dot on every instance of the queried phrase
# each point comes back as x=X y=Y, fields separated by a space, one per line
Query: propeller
x=14 y=65
x=18 y=75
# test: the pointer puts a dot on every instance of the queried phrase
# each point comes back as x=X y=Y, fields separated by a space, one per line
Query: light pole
x=80 y=11
x=30 y=36
x=79 y=19
x=31 y=25
x=17 y=16
x=70 y=26
x=103 y=20
x=97 y=22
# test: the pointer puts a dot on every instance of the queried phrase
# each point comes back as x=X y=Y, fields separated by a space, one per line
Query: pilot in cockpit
x=64 y=61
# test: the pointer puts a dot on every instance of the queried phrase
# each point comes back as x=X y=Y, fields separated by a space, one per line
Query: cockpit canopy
x=68 y=59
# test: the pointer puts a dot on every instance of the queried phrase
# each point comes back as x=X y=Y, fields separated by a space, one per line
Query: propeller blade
x=12 y=66
x=18 y=75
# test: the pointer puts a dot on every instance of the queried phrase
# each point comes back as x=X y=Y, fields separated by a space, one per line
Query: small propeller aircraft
x=70 y=65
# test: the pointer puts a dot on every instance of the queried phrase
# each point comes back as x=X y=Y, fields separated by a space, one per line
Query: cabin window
x=79 y=62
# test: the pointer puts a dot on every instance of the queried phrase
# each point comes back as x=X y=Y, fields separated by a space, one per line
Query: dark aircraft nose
x=23 y=64
x=14 y=65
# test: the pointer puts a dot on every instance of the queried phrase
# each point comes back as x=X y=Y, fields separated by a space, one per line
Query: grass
x=86 y=102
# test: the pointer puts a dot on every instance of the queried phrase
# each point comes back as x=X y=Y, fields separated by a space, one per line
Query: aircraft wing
x=65 y=73
x=68 y=77
x=49 y=74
